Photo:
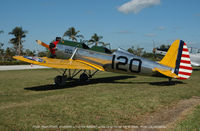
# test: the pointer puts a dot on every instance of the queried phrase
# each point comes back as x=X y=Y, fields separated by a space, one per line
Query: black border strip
x=180 y=49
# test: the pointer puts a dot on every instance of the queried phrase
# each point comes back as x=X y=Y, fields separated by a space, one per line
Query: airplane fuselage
x=120 y=61
x=195 y=59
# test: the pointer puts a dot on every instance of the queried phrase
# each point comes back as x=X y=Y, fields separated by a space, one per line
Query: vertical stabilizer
x=178 y=58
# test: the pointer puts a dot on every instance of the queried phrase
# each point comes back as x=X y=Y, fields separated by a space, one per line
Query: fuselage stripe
x=184 y=70
x=187 y=56
x=185 y=61
x=184 y=58
x=185 y=49
x=184 y=76
x=185 y=53
x=181 y=78
x=184 y=67
x=184 y=64
x=184 y=73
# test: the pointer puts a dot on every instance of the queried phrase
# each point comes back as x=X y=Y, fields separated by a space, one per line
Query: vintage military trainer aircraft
x=74 y=57
x=195 y=57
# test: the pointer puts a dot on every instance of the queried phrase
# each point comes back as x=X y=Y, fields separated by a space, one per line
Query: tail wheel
x=60 y=80
x=83 y=77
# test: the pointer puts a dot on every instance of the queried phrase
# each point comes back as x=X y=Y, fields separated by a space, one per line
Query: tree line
x=19 y=35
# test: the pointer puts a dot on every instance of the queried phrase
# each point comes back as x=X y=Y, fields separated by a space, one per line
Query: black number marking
x=68 y=51
x=120 y=65
x=139 y=66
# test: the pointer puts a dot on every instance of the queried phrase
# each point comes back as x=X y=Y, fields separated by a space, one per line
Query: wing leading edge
x=59 y=63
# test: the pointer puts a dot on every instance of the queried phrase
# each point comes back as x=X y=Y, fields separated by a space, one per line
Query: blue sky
x=123 y=23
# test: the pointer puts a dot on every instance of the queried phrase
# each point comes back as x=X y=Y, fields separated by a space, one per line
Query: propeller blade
x=42 y=44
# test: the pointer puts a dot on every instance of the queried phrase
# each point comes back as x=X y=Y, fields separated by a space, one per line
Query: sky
x=122 y=23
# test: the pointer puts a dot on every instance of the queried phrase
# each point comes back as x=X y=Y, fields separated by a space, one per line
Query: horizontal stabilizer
x=167 y=73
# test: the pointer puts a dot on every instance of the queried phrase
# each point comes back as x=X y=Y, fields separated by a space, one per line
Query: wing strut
x=73 y=54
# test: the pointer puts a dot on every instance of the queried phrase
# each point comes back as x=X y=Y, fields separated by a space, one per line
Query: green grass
x=191 y=123
x=28 y=98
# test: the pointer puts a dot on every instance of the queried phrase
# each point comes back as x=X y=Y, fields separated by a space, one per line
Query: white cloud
x=125 y=32
x=150 y=35
x=161 y=28
x=136 y=6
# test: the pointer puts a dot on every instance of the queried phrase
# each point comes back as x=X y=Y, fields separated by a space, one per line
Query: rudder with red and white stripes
x=183 y=64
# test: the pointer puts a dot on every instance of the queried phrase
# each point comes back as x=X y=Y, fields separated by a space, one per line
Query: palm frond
x=80 y=36
x=71 y=33
x=17 y=41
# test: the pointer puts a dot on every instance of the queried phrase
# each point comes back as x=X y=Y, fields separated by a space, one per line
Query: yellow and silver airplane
x=76 y=58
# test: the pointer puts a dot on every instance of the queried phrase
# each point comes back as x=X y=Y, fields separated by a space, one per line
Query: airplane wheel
x=60 y=80
x=83 y=77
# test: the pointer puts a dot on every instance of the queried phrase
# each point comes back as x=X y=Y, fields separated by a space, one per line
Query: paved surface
x=21 y=67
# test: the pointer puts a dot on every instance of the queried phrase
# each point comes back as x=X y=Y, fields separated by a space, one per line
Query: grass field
x=29 y=99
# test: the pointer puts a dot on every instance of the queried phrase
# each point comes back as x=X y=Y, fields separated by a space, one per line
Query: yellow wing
x=60 y=63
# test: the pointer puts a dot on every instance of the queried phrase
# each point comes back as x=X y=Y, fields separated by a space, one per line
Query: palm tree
x=17 y=41
x=72 y=34
x=95 y=39
x=138 y=51
x=1 y=31
x=1 y=47
x=1 y=52
x=106 y=44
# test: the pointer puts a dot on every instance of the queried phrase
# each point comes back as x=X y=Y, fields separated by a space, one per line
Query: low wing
x=59 y=63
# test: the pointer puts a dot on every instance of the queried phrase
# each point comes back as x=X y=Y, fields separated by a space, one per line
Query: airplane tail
x=178 y=57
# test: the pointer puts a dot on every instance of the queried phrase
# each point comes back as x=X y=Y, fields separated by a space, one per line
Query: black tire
x=83 y=77
x=59 y=80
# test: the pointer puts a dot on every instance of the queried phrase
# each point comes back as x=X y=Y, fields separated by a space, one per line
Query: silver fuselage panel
x=120 y=61
x=195 y=59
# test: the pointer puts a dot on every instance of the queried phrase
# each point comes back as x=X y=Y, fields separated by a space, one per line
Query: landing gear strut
x=170 y=81
x=61 y=80
x=86 y=75
x=69 y=74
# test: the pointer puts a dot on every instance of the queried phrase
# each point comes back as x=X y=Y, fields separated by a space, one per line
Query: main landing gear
x=60 y=80
x=83 y=77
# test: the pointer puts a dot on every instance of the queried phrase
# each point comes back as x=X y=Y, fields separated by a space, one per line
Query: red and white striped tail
x=185 y=68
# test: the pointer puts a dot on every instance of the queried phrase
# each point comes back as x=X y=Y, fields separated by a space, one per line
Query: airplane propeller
x=42 y=44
